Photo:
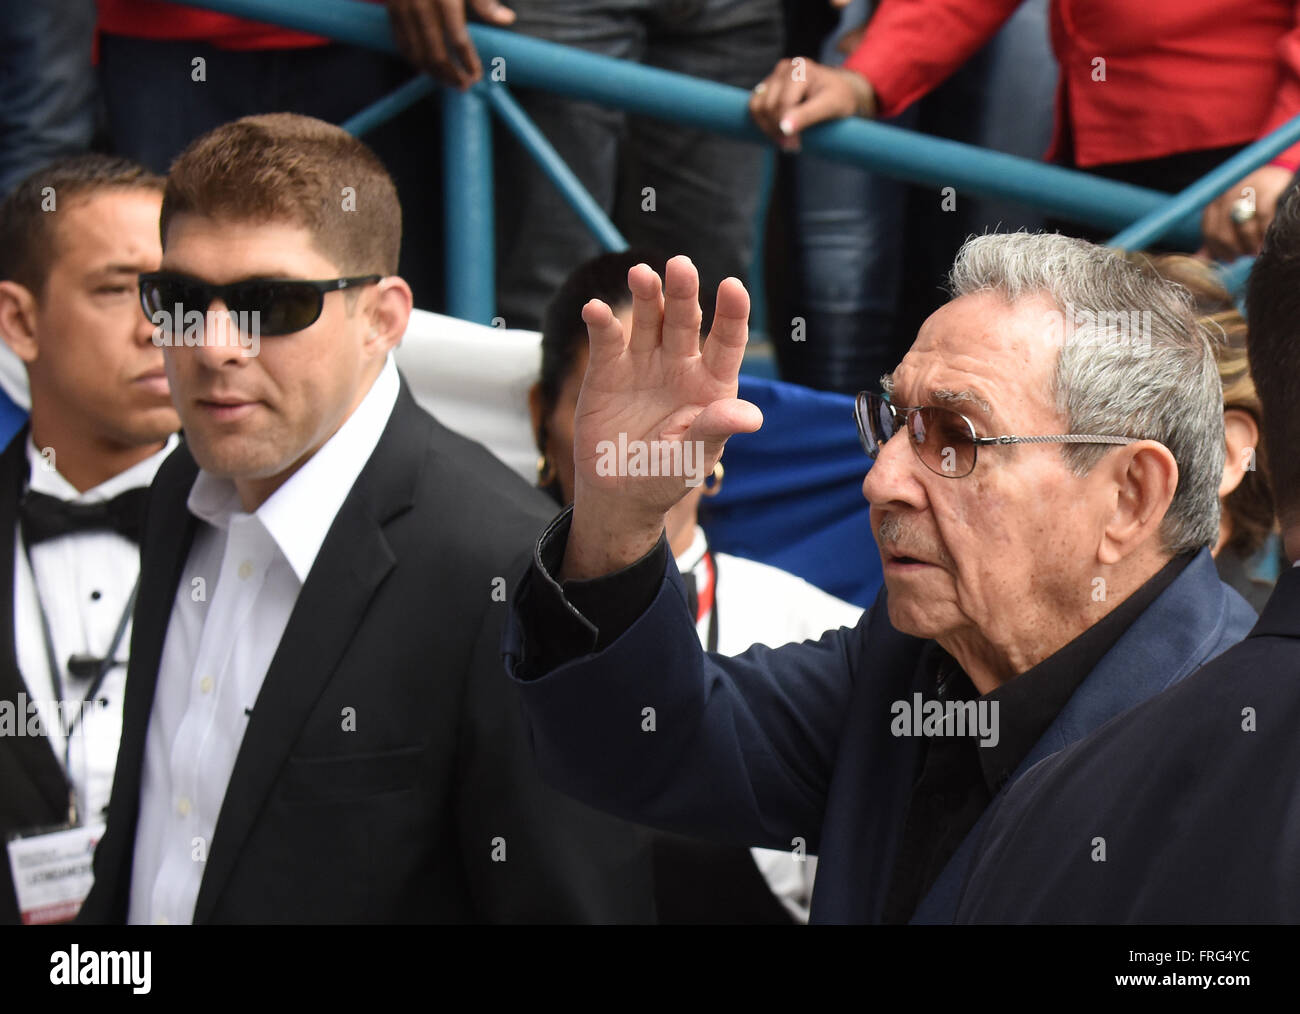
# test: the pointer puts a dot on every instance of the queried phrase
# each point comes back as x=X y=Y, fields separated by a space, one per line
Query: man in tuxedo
x=1032 y=590
x=1186 y=809
x=317 y=727
x=74 y=237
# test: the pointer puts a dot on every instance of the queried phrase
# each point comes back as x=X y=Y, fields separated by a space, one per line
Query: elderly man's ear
x=1141 y=479
x=18 y=320
x=1243 y=437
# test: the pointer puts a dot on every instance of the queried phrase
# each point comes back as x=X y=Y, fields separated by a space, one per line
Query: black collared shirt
x=957 y=777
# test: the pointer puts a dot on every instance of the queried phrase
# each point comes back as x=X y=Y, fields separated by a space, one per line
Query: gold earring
x=545 y=470
x=715 y=487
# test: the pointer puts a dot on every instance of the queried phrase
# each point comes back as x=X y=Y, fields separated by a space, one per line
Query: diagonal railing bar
x=1154 y=225
x=552 y=165
x=382 y=110
x=1235 y=276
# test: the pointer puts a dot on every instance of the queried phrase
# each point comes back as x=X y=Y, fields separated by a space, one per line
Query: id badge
x=52 y=872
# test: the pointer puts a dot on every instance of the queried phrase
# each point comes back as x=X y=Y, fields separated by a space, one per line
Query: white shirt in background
x=85 y=581
x=760 y=604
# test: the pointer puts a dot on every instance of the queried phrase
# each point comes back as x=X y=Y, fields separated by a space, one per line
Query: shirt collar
x=300 y=513
x=1031 y=702
x=690 y=559
x=48 y=480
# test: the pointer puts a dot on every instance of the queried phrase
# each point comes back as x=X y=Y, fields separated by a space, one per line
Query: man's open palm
x=657 y=389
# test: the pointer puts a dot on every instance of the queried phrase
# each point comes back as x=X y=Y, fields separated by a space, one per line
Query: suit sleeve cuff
x=566 y=620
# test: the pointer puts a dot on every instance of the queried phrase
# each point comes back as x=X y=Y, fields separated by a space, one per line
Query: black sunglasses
x=944 y=440
x=280 y=305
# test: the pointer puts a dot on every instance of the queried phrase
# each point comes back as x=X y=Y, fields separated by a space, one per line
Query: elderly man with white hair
x=1044 y=495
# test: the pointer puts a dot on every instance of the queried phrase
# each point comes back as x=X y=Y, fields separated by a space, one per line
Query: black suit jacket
x=33 y=789
x=1194 y=796
x=404 y=818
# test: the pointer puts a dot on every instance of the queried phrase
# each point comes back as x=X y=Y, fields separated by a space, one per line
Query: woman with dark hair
x=737 y=603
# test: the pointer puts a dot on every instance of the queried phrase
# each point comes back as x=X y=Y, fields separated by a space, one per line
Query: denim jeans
x=47 y=84
x=851 y=258
x=705 y=187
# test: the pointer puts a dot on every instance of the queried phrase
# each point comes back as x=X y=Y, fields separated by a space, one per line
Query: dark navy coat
x=791 y=747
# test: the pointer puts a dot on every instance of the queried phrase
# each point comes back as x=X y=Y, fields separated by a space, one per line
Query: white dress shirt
x=760 y=604
x=85 y=580
x=236 y=594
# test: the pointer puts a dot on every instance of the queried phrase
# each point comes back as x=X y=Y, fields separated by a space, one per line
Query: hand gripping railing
x=1143 y=215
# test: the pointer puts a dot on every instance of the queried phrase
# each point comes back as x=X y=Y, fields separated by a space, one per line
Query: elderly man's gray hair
x=1134 y=363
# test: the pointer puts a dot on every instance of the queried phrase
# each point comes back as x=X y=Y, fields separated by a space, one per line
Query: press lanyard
x=56 y=672
x=709 y=600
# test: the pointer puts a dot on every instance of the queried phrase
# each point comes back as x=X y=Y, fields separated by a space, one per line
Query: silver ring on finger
x=1243 y=210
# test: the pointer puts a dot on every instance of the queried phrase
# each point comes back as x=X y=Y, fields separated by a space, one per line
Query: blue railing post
x=471 y=237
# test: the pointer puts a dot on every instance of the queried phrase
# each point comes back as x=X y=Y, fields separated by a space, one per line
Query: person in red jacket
x=431 y=34
x=1153 y=93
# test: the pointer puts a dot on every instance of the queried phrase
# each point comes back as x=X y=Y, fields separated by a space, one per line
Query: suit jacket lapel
x=1170 y=640
x=352 y=562
x=34 y=755
x=169 y=533
x=1281 y=614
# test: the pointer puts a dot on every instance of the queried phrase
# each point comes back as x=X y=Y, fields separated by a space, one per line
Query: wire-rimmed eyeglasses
x=944 y=440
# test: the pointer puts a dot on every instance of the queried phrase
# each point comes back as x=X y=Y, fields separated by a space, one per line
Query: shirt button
x=95 y=596
x=246 y=570
x=205 y=684
x=183 y=806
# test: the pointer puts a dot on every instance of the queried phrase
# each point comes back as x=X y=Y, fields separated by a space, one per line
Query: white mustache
x=901 y=541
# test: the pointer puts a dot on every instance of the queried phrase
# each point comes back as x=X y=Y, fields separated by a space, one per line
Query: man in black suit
x=74 y=237
x=318 y=728
x=1187 y=808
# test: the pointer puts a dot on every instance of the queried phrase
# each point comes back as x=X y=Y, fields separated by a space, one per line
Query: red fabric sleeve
x=1287 y=104
x=158 y=19
x=911 y=46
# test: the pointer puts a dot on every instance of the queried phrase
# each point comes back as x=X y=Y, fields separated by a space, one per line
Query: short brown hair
x=1250 y=505
x=28 y=231
x=283 y=167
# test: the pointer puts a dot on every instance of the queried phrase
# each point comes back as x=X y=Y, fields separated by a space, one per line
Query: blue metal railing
x=1154 y=225
x=390 y=105
x=1143 y=215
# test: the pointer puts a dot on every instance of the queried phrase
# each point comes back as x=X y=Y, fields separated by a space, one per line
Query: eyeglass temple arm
x=1064 y=438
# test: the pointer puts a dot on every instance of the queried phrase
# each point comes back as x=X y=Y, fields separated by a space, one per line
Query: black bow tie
x=47 y=517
